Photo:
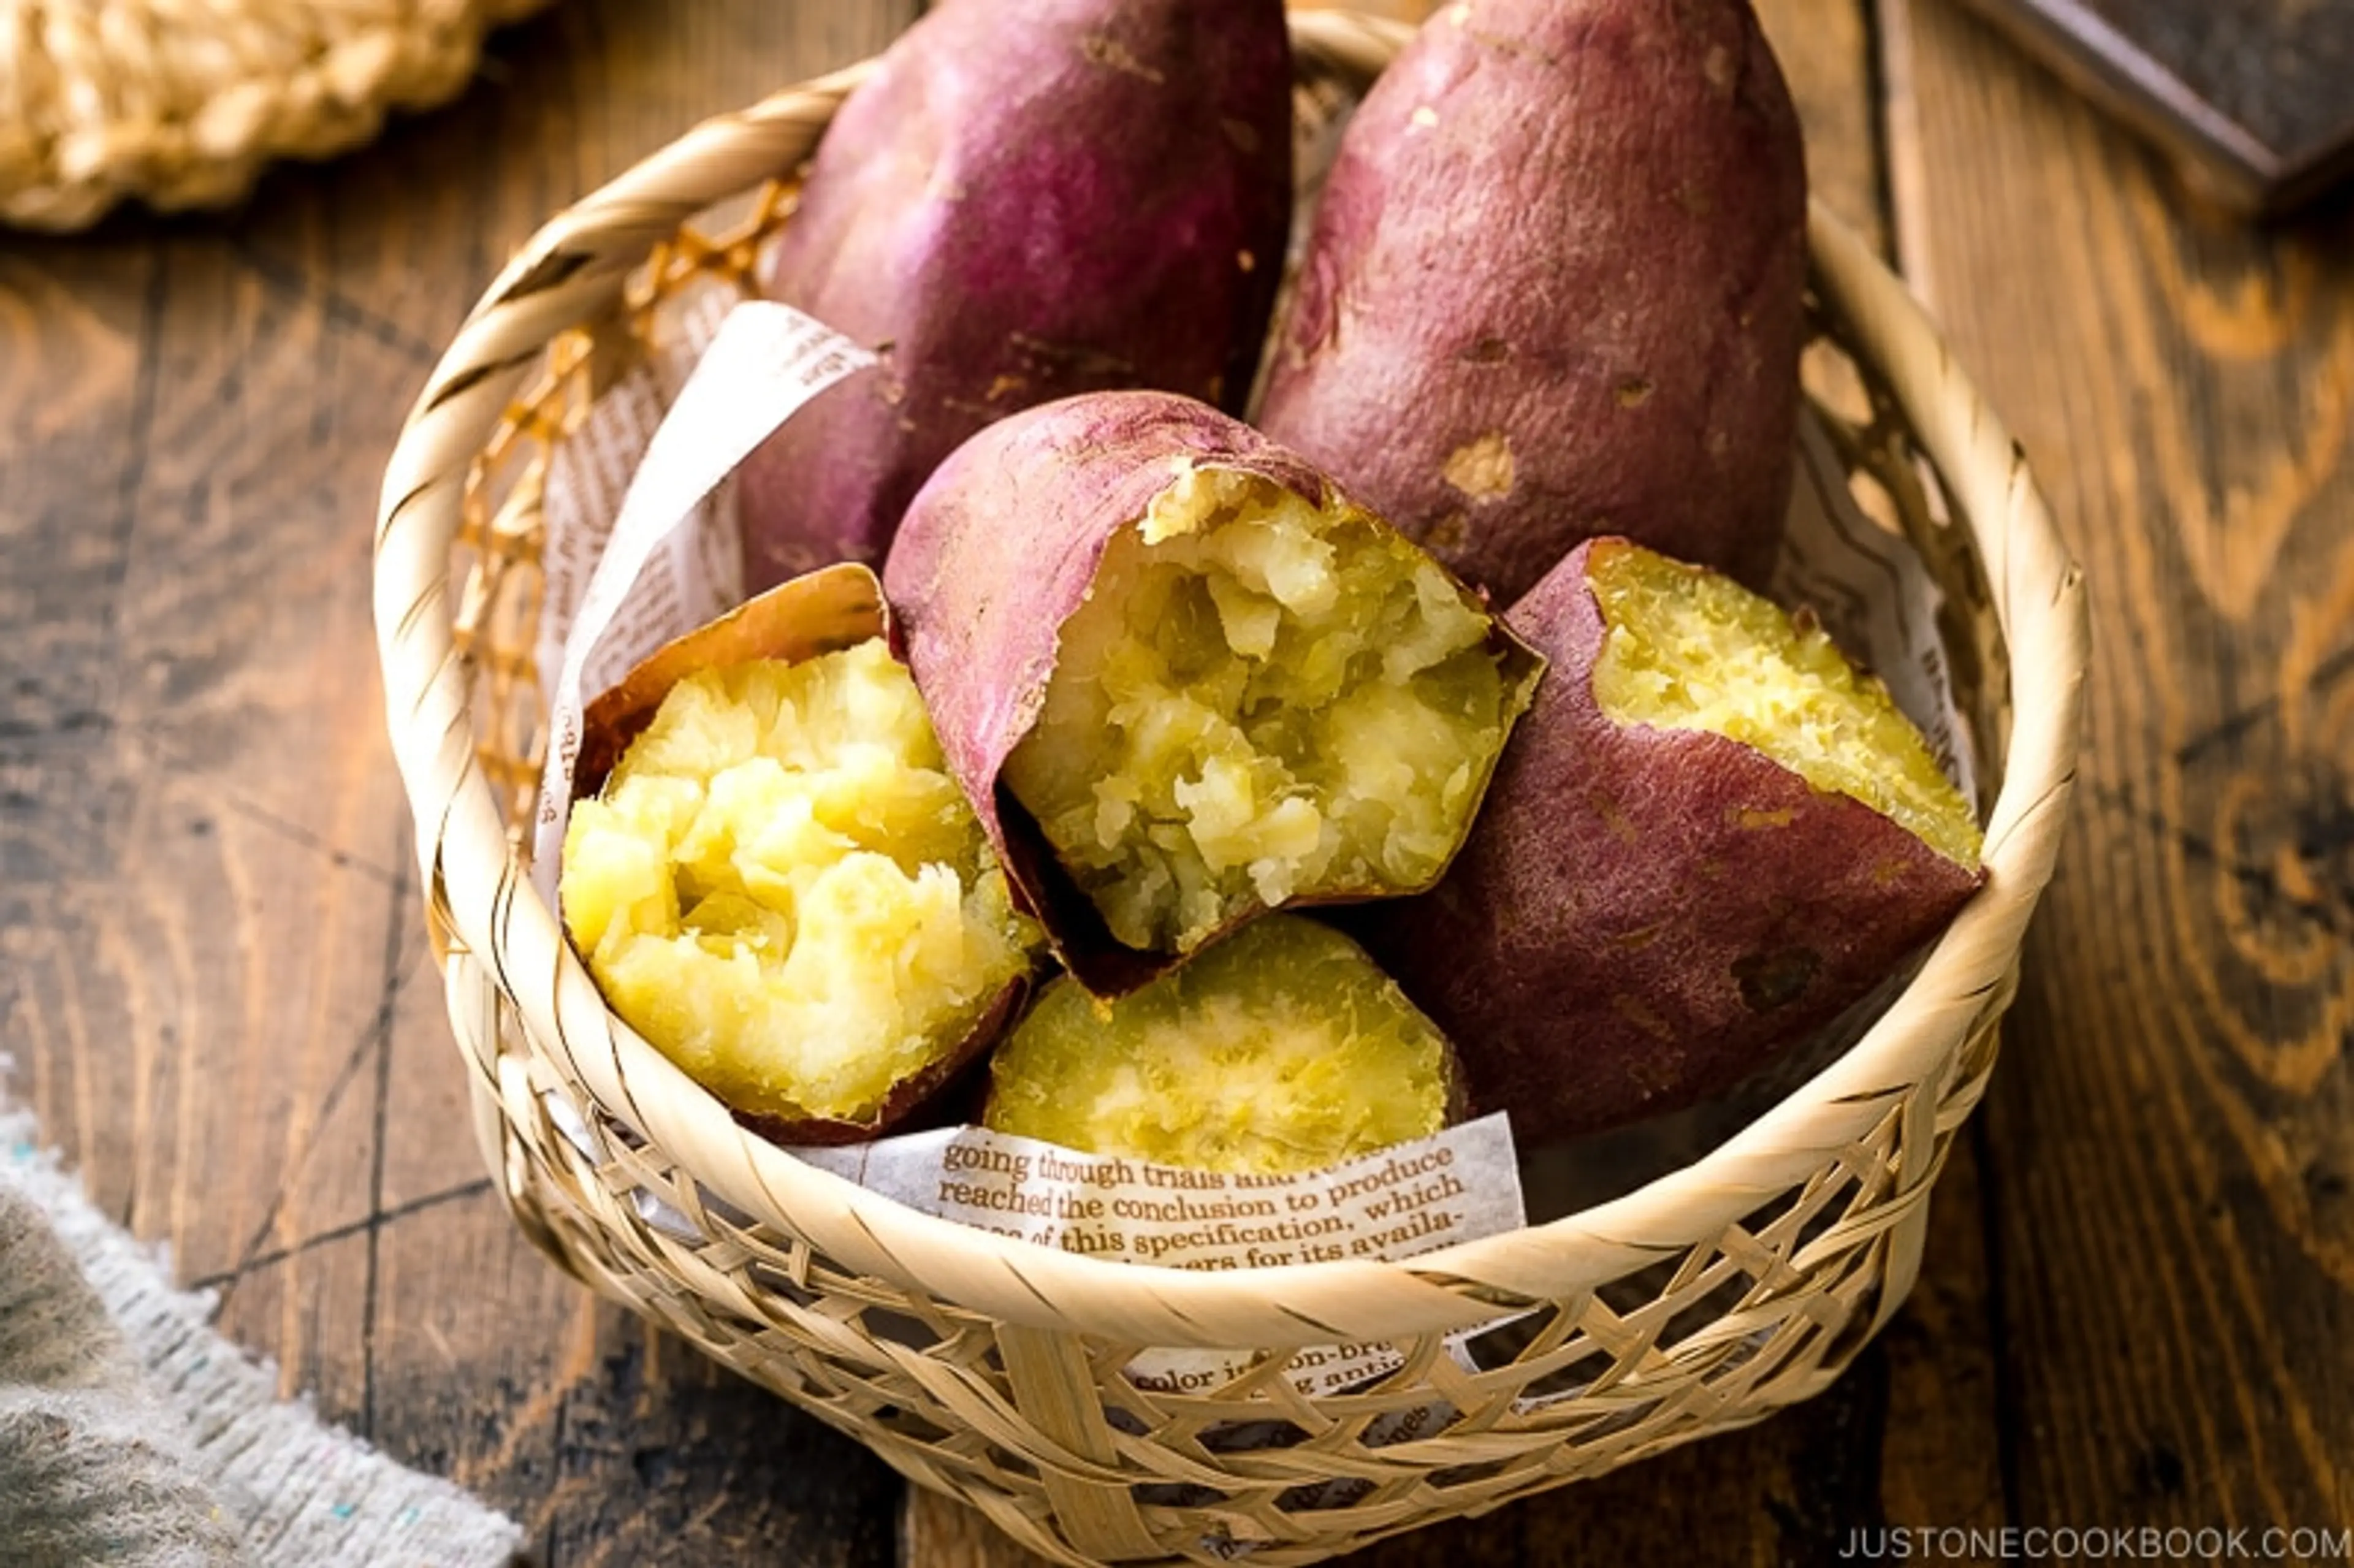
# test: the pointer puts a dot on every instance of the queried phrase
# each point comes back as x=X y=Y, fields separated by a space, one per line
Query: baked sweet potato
x=778 y=885
x=1709 y=836
x=1026 y=201
x=1281 y=1050
x=1554 y=289
x=1184 y=679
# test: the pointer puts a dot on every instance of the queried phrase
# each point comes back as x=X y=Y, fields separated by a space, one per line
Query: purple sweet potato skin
x=1027 y=201
x=996 y=552
x=1642 y=916
x=1554 y=289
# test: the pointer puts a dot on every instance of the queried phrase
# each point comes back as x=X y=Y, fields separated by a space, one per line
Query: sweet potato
x=777 y=883
x=1184 y=679
x=1026 y=202
x=1281 y=1050
x=1708 y=837
x=1554 y=289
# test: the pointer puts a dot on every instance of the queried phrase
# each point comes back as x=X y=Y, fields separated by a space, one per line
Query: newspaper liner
x=665 y=555
x=1459 y=1186
x=641 y=547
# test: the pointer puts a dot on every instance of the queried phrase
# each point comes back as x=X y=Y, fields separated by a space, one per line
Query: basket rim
x=573 y=271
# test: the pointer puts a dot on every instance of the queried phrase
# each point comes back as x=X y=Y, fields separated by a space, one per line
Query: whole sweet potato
x=1708 y=837
x=1026 y=201
x=1184 y=679
x=1554 y=289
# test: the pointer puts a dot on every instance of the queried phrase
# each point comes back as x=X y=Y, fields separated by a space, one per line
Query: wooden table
x=2139 y=1296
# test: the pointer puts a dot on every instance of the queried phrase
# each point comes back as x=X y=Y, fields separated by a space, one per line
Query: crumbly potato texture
x=1279 y=1049
x=1709 y=836
x=1260 y=700
x=782 y=889
x=1687 y=649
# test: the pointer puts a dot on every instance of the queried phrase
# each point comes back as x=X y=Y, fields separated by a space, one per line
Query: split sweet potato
x=1709 y=836
x=775 y=881
x=1184 y=679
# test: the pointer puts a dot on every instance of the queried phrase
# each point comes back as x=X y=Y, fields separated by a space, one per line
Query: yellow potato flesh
x=782 y=889
x=1686 y=649
x=1279 y=1049
x=1259 y=701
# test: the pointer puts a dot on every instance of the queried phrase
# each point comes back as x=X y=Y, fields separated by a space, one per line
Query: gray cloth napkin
x=131 y=1434
x=92 y=1469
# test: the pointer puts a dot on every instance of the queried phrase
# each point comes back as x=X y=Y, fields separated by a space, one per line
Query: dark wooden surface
x=2138 y=1301
x=2254 y=99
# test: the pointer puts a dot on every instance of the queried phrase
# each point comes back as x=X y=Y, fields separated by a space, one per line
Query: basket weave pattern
x=994 y=1371
x=181 y=102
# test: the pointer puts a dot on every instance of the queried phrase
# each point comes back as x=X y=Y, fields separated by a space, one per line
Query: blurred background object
x=181 y=106
x=2252 y=100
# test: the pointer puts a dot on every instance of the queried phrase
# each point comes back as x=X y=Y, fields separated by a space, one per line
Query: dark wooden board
x=2254 y=99
x=213 y=978
x=2168 y=1143
x=213 y=989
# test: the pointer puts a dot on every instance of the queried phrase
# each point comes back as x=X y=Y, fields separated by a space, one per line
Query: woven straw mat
x=180 y=103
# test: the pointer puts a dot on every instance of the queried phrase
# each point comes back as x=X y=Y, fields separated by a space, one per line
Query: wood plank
x=1825 y=49
x=611 y=1443
x=268 y=864
x=74 y=320
x=1910 y=1434
x=211 y=970
x=2170 y=1152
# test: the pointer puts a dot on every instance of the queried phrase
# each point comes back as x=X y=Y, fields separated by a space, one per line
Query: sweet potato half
x=1281 y=1050
x=1184 y=679
x=1710 y=835
x=1554 y=289
x=1026 y=201
x=778 y=885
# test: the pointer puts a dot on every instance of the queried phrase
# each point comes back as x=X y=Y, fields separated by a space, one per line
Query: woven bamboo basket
x=181 y=104
x=992 y=1370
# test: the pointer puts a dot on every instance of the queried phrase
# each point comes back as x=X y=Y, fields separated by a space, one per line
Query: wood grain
x=2169 y=1145
x=212 y=986
x=216 y=992
x=2249 y=97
